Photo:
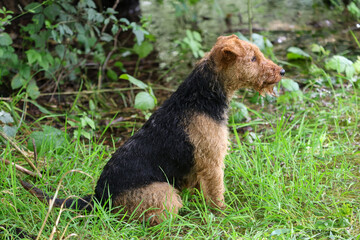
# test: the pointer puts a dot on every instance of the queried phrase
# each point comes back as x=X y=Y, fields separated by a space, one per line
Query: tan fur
x=209 y=139
x=235 y=68
x=232 y=57
x=154 y=201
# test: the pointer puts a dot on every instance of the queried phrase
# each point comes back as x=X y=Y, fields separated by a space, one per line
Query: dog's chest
x=210 y=140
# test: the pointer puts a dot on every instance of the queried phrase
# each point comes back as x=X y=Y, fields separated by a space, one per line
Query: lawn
x=291 y=172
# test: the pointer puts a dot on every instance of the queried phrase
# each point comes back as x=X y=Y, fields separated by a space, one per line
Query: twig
x=20 y=168
x=22 y=152
x=105 y=90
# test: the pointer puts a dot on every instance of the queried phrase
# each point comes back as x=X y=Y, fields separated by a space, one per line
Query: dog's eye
x=253 y=59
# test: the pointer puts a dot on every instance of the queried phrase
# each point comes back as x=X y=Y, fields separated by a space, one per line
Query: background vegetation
x=77 y=78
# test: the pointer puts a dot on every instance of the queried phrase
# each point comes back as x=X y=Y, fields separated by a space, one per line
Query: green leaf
x=89 y=121
x=17 y=81
x=41 y=108
x=278 y=232
x=111 y=74
x=290 y=84
x=144 y=101
x=33 y=90
x=134 y=81
x=240 y=112
x=241 y=36
x=297 y=53
x=47 y=139
x=139 y=32
x=356 y=65
x=10 y=131
x=5 y=117
x=33 y=56
x=144 y=49
x=261 y=41
x=106 y=37
x=5 y=39
x=341 y=65
x=52 y=11
x=34 y=7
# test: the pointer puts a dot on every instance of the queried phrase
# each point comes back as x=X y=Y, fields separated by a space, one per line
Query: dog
x=184 y=142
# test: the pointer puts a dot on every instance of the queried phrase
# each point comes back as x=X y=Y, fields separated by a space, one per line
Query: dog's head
x=241 y=64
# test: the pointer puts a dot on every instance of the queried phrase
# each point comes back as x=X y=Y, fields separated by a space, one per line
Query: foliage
x=59 y=42
x=144 y=100
x=5 y=124
x=192 y=42
x=292 y=169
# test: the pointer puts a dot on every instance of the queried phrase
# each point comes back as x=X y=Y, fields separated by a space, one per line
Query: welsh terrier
x=184 y=142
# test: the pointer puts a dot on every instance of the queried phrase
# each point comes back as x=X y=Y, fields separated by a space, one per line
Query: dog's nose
x=282 y=72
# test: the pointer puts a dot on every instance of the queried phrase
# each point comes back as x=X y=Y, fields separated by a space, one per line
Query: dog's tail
x=85 y=203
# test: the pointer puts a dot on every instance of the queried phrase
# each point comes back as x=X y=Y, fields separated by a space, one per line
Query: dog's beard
x=268 y=90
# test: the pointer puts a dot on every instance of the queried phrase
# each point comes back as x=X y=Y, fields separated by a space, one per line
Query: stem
x=250 y=19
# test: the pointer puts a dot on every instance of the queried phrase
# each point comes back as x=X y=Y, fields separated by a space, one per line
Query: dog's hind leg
x=153 y=202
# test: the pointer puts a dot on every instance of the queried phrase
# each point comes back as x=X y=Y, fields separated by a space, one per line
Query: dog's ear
x=229 y=54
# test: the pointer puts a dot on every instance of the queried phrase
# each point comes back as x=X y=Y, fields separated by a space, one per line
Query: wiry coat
x=184 y=142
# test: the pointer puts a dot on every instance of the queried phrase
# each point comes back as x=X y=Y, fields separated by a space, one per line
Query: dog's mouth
x=268 y=88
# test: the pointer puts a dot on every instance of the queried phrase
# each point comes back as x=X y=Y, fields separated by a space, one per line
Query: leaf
x=106 y=37
x=41 y=108
x=33 y=90
x=144 y=101
x=139 y=32
x=10 y=131
x=17 y=81
x=341 y=65
x=290 y=84
x=34 y=7
x=33 y=56
x=239 y=111
x=356 y=65
x=144 y=49
x=111 y=74
x=5 y=39
x=47 y=139
x=278 y=232
x=297 y=53
x=52 y=11
x=134 y=81
x=89 y=121
x=261 y=41
x=5 y=117
x=241 y=36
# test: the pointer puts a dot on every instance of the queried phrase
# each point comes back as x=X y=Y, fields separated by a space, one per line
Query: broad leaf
x=10 y=131
x=17 y=81
x=144 y=101
x=290 y=84
x=33 y=56
x=34 y=7
x=240 y=112
x=297 y=53
x=144 y=49
x=341 y=65
x=5 y=39
x=33 y=90
x=5 y=117
x=134 y=81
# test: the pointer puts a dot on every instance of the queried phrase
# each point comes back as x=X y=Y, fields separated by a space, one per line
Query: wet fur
x=184 y=142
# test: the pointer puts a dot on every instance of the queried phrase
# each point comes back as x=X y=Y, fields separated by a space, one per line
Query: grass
x=296 y=176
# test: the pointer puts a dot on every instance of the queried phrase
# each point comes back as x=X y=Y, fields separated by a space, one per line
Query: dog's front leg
x=211 y=182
